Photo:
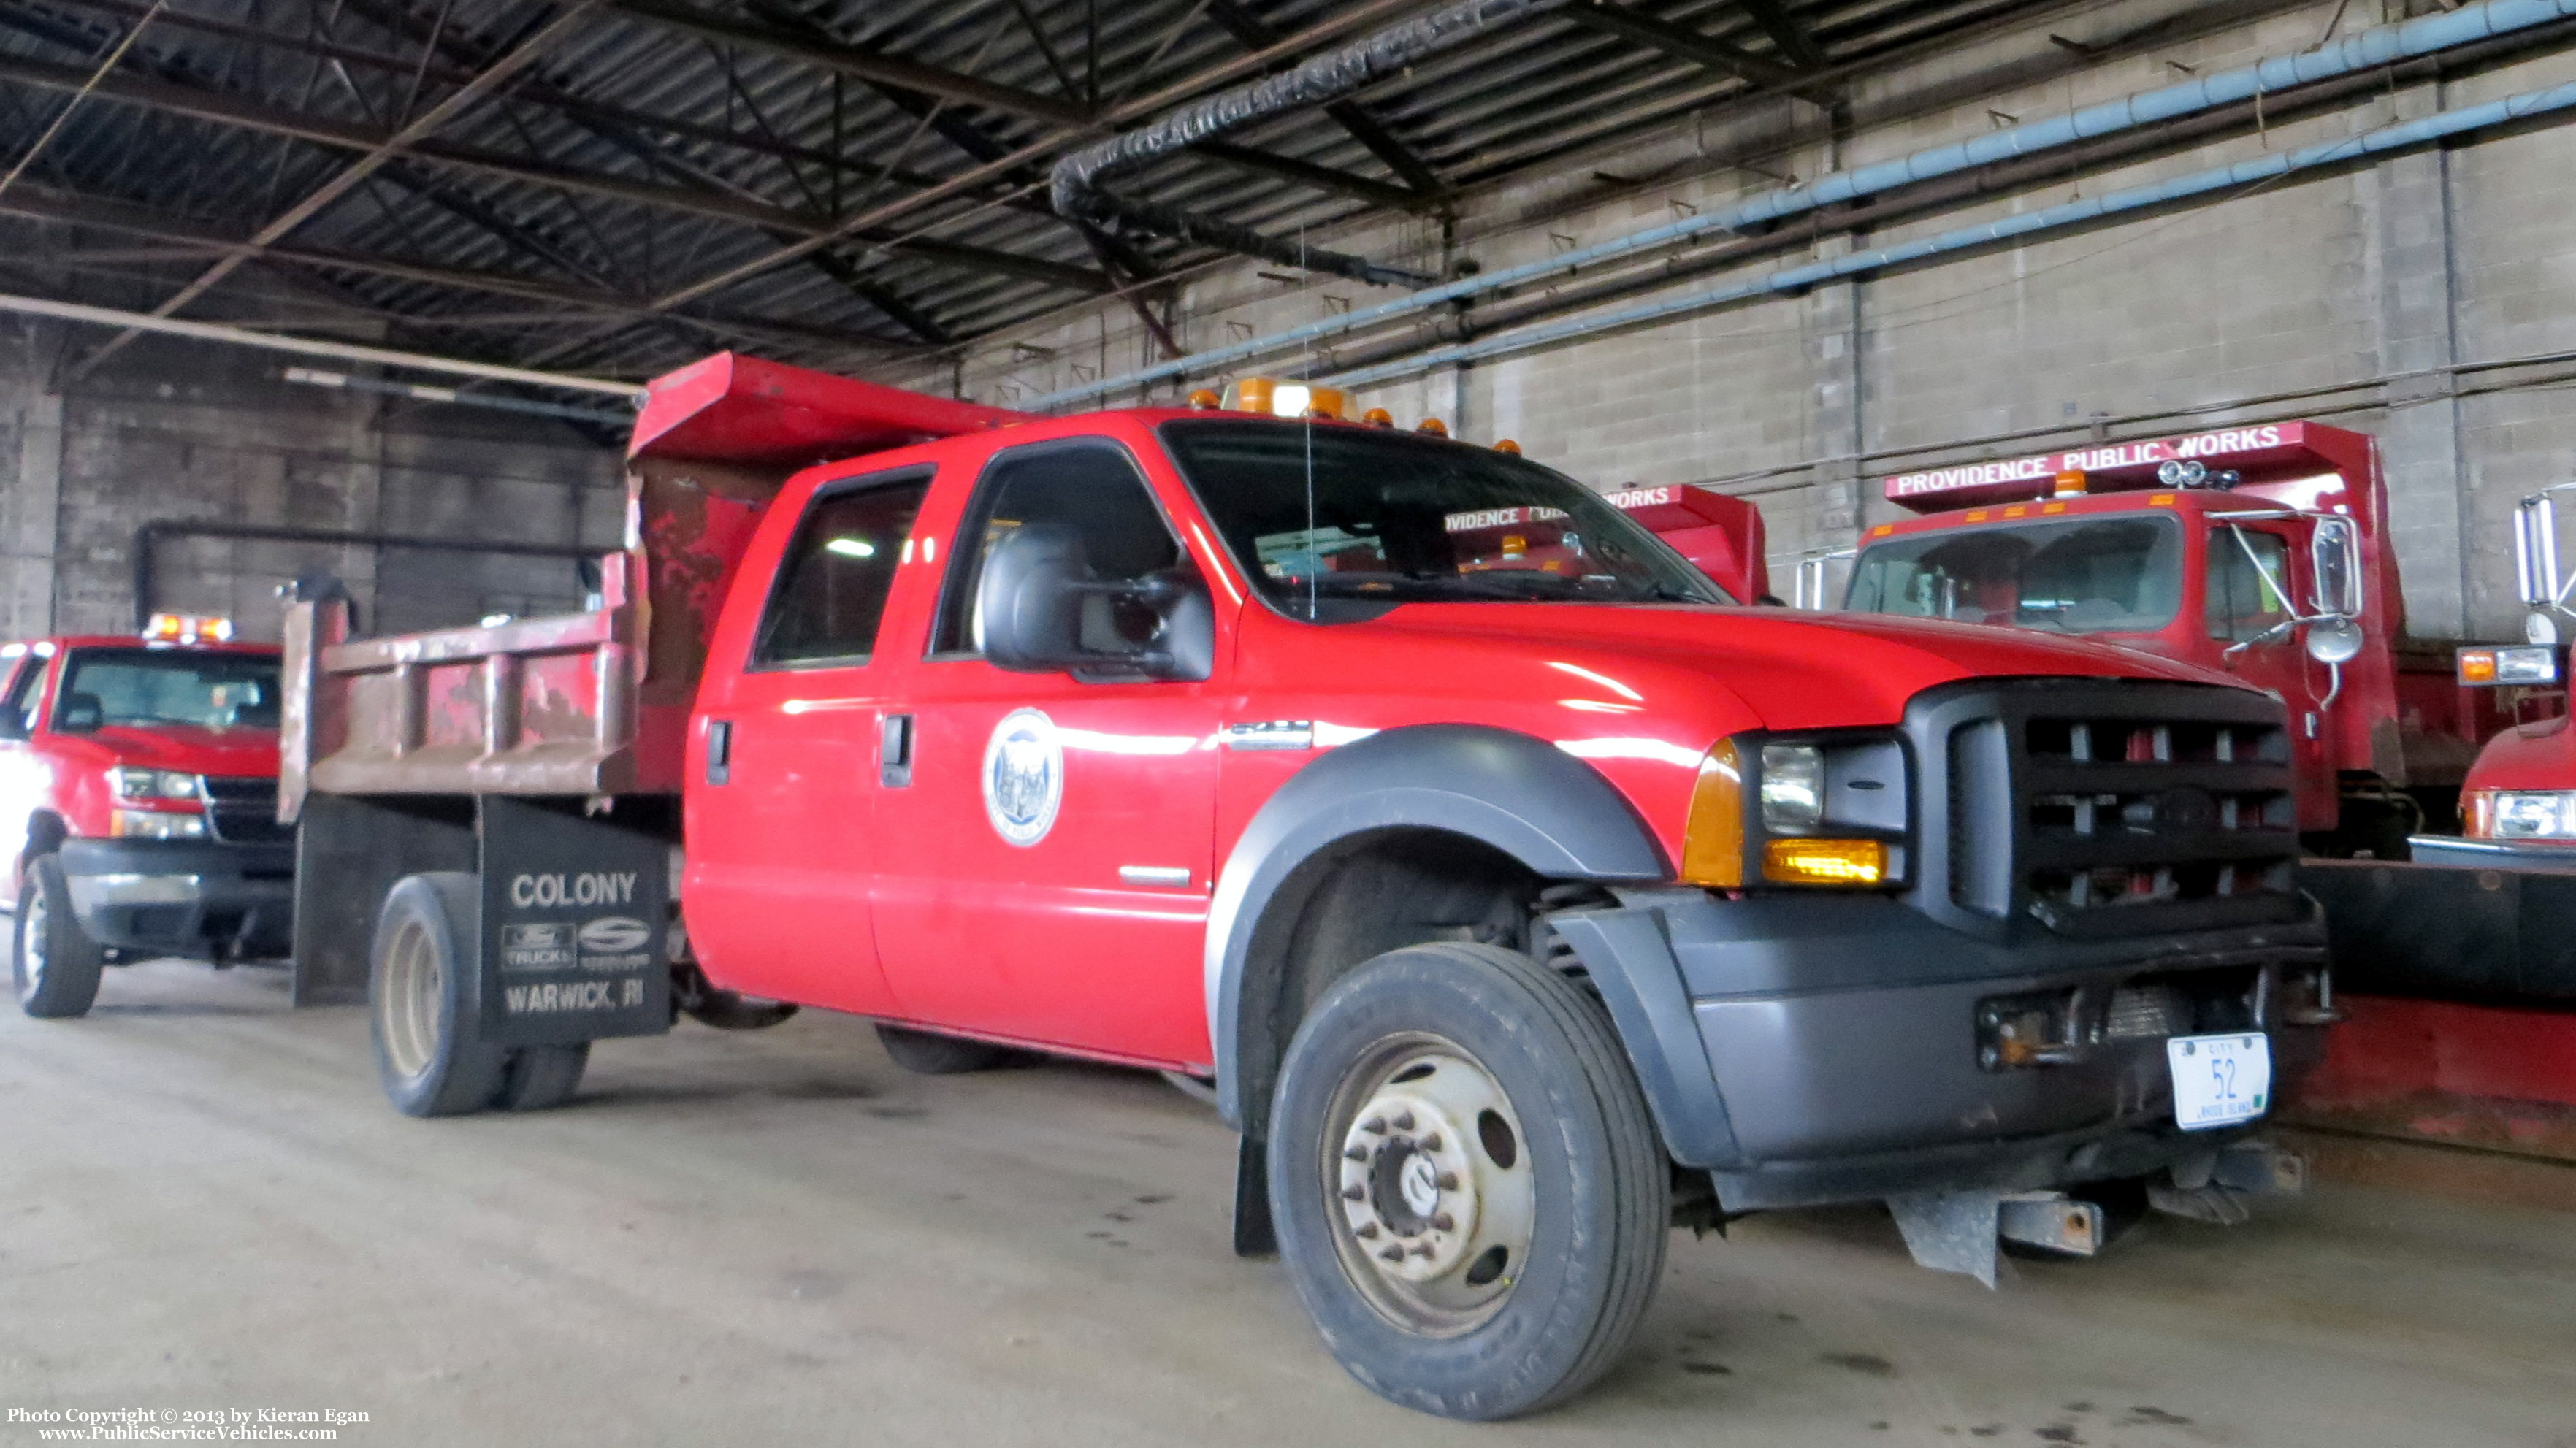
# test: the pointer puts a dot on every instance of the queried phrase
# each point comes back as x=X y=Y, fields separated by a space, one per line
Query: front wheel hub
x=1434 y=1189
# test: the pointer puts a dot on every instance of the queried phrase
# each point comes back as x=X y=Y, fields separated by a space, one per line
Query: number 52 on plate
x=2219 y=1080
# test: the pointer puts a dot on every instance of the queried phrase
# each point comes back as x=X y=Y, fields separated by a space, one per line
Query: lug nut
x=1448 y=1181
x=1422 y=1249
x=1431 y=1142
x=1443 y=1222
x=1374 y=1126
x=1368 y=1229
x=1392 y=1254
x=1355 y=1153
x=1354 y=1194
x=1404 y=1122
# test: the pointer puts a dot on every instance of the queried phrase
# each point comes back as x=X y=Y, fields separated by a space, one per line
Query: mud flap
x=1254 y=1236
x=576 y=907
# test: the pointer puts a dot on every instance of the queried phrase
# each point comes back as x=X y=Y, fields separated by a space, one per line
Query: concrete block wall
x=2363 y=288
x=180 y=431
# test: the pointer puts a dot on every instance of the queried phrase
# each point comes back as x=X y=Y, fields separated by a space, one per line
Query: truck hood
x=188 y=748
x=1793 y=670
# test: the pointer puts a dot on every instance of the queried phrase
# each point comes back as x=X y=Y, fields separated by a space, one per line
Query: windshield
x=167 y=686
x=2080 y=576
x=1326 y=516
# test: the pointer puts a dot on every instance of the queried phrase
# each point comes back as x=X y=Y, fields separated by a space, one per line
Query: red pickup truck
x=1521 y=895
x=138 y=779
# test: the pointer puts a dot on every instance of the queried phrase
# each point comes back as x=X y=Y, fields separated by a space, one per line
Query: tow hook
x=1961 y=1231
x=2213 y=1186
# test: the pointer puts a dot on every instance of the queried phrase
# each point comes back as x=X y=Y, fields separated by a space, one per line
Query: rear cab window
x=829 y=598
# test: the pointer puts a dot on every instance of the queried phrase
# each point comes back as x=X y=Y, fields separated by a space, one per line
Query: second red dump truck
x=2259 y=552
x=1521 y=896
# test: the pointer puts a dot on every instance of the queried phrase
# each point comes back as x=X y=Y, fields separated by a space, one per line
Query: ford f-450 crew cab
x=137 y=779
x=1518 y=907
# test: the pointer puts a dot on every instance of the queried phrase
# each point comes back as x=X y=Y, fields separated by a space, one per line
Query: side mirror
x=1037 y=594
x=2334 y=639
x=1028 y=607
x=2335 y=551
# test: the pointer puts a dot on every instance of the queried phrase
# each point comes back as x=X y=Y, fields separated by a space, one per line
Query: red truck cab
x=1517 y=913
x=138 y=779
x=2260 y=552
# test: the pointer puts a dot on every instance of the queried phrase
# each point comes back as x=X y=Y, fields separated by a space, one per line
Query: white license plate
x=2219 y=1080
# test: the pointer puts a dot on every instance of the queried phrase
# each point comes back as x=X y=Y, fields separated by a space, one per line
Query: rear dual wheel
x=424 y=1002
x=1468 y=1191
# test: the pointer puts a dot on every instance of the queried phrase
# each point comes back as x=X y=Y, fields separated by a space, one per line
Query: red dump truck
x=2466 y=1029
x=2261 y=552
x=1521 y=896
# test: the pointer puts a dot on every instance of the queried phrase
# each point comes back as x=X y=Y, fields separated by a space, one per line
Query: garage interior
x=368 y=290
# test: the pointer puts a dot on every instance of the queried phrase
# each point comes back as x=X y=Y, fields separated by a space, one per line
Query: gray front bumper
x=1817 y=1049
x=183 y=897
x=2532 y=857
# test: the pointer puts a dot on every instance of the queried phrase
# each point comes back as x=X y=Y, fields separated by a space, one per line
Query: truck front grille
x=243 y=811
x=2111 y=808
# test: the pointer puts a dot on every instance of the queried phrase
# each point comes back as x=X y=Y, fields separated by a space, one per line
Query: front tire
x=1469 y=1192
x=424 y=999
x=53 y=961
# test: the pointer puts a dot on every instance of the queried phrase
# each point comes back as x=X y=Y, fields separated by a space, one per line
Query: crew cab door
x=1045 y=864
x=781 y=841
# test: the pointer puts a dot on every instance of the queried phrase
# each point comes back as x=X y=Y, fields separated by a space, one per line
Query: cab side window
x=2244 y=603
x=832 y=583
x=26 y=691
x=1094 y=490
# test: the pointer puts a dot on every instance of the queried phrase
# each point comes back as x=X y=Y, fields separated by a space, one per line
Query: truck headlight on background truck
x=2539 y=814
x=156 y=824
x=1827 y=811
x=128 y=782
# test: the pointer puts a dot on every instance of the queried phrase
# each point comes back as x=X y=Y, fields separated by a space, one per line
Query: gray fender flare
x=1523 y=796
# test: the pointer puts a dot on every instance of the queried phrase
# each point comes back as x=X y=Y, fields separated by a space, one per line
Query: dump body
x=2221 y=569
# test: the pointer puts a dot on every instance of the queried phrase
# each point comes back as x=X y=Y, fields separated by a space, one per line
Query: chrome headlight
x=130 y=782
x=1793 y=788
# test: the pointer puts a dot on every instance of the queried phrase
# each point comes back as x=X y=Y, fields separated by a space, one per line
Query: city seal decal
x=1023 y=777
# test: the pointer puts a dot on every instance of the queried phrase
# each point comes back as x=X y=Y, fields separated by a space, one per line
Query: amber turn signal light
x=1824 y=862
x=1713 y=837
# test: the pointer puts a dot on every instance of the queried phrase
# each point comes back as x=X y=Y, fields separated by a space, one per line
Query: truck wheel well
x=1369 y=894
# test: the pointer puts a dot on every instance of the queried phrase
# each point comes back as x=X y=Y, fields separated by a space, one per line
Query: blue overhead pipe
x=2055 y=218
x=2365 y=50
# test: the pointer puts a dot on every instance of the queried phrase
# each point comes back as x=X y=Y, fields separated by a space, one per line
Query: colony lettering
x=2106 y=458
x=585 y=889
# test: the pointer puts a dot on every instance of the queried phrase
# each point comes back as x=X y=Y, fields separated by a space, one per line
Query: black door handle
x=894 y=750
x=719 y=750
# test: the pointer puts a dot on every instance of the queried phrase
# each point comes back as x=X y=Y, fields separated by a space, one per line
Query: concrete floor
x=778 y=1238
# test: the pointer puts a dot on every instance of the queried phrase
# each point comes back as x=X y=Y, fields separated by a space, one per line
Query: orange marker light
x=1434 y=427
x=1824 y=862
x=1508 y=446
x=1378 y=417
x=2072 y=483
x=1204 y=399
x=2477 y=666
